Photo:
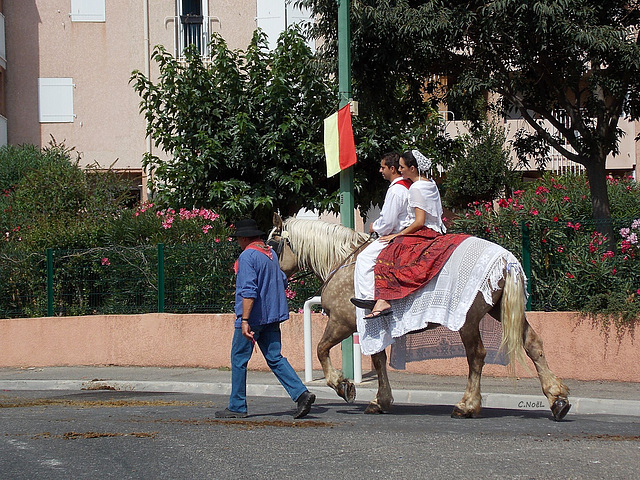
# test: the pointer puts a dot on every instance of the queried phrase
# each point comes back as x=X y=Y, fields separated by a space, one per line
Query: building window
x=275 y=16
x=191 y=20
x=55 y=100
x=3 y=49
x=88 y=11
x=193 y=25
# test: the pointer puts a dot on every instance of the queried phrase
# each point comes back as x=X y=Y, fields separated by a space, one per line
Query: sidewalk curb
x=584 y=406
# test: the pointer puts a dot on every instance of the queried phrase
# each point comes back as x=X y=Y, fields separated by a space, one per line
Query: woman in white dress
x=424 y=209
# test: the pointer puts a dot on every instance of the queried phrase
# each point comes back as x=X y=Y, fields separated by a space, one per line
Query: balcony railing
x=191 y=30
x=625 y=160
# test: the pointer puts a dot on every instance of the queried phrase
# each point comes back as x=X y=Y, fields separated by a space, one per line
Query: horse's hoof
x=347 y=390
x=560 y=408
x=373 y=408
x=459 y=413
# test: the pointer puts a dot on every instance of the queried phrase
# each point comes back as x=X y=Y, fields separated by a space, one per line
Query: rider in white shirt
x=393 y=218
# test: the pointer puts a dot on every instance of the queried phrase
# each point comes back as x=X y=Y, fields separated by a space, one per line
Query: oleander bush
x=572 y=265
x=104 y=254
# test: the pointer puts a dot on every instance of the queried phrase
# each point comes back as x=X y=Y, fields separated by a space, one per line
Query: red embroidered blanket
x=411 y=261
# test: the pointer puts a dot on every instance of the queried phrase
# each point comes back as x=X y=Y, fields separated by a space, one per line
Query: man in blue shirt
x=260 y=306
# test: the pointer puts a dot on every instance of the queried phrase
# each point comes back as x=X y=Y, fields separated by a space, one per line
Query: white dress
x=391 y=220
x=424 y=194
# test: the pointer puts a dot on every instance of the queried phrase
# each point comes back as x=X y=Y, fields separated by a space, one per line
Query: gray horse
x=329 y=250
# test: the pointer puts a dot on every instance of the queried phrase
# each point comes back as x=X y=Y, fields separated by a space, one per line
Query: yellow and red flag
x=339 y=146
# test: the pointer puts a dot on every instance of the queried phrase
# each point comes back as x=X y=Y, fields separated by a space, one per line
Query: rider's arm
x=417 y=224
x=394 y=205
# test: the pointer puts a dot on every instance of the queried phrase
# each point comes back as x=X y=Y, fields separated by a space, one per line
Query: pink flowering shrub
x=148 y=224
x=572 y=265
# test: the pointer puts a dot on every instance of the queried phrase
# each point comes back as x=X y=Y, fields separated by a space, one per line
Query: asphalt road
x=110 y=434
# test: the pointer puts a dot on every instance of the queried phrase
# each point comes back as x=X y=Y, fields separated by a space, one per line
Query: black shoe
x=368 y=304
x=226 y=413
x=304 y=404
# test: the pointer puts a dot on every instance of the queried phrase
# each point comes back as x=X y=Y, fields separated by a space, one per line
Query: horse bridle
x=278 y=246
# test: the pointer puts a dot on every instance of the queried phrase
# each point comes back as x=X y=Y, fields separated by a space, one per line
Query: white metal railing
x=447 y=115
x=308 y=346
x=556 y=162
x=191 y=30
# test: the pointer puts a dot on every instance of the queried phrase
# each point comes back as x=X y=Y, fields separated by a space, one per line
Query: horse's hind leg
x=334 y=333
x=471 y=402
x=384 y=399
x=556 y=392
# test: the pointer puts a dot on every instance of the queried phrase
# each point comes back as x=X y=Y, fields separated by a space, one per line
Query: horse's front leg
x=556 y=392
x=384 y=399
x=334 y=333
x=471 y=402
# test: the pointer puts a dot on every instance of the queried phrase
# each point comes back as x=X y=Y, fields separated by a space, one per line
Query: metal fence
x=566 y=261
x=188 y=278
x=198 y=278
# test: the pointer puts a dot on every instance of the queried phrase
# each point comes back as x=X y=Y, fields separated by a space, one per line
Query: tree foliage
x=49 y=200
x=573 y=63
x=244 y=131
x=481 y=171
x=573 y=267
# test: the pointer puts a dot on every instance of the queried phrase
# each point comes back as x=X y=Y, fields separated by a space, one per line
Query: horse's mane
x=322 y=246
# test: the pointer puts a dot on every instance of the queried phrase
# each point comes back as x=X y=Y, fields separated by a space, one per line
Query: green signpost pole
x=346 y=176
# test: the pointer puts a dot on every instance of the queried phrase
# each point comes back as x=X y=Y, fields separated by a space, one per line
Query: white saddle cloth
x=477 y=265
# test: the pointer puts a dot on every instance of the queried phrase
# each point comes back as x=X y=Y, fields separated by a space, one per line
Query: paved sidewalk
x=593 y=397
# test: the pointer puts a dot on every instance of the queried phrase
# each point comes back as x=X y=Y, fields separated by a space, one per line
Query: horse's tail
x=512 y=317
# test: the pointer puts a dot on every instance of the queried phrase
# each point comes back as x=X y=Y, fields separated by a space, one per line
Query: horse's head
x=279 y=241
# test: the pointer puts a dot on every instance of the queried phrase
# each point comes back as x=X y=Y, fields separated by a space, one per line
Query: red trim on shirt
x=405 y=182
x=259 y=247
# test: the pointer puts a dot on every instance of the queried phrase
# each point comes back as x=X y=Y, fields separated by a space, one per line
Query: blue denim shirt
x=260 y=278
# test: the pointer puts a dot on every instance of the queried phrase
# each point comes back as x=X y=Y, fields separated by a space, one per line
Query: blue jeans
x=269 y=340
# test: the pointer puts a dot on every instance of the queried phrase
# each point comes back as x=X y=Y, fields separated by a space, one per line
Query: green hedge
x=197 y=277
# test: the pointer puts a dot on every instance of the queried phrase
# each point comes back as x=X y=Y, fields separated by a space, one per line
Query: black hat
x=247 y=228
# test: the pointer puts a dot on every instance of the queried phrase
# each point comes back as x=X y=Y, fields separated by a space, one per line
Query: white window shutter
x=270 y=18
x=297 y=14
x=55 y=100
x=3 y=131
x=88 y=11
x=300 y=15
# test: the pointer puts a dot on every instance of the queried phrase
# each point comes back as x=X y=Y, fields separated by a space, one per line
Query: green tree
x=573 y=63
x=243 y=131
x=481 y=171
x=50 y=201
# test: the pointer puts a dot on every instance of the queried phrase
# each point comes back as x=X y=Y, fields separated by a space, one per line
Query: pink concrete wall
x=165 y=340
x=574 y=349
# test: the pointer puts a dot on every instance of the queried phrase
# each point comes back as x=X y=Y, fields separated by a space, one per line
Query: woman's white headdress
x=424 y=163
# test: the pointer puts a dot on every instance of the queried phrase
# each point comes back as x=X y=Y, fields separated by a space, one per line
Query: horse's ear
x=277 y=221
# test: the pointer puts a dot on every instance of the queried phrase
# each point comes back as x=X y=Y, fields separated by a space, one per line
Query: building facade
x=68 y=63
x=65 y=67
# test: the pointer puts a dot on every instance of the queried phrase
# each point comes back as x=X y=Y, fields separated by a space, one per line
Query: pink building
x=68 y=62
